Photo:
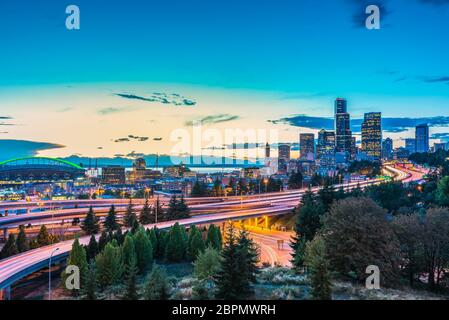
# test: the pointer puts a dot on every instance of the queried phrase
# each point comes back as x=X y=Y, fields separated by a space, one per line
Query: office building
x=410 y=145
x=342 y=126
x=307 y=146
x=113 y=175
x=387 y=149
x=422 y=138
x=372 y=135
x=326 y=143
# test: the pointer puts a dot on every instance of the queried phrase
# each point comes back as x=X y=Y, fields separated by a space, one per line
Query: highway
x=235 y=208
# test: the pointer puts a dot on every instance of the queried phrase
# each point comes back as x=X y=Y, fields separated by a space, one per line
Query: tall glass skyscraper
x=307 y=145
x=372 y=135
x=342 y=126
x=422 y=138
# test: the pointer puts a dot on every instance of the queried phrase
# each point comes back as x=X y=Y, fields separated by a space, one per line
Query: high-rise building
x=267 y=150
x=342 y=126
x=283 y=157
x=422 y=138
x=372 y=135
x=410 y=145
x=307 y=146
x=325 y=144
x=387 y=149
x=113 y=175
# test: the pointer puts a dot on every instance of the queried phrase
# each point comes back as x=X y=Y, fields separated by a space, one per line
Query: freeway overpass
x=19 y=266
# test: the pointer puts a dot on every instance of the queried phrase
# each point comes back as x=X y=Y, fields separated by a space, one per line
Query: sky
x=138 y=73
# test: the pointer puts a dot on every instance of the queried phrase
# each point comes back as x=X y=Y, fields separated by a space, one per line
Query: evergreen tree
x=298 y=245
x=157 y=286
x=152 y=235
x=92 y=248
x=213 y=237
x=146 y=217
x=227 y=279
x=128 y=251
x=119 y=237
x=90 y=223
x=295 y=180
x=10 y=247
x=162 y=239
x=130 y=218
x=315 y=260
x=22 y=242
x=176 y=246
x=182 y=210
x=442 y=194
x=198 y=190
x=326 y=196
x=207 y=264
x=43 y=237
x=131 y=279
x=91 y=286
x=247 y=259
x=158 y=212
x=110 y=223
x=103 y=240
x=172 y=211
x=109 y=267
x=144 y=250
x=195 y=243
x=77 y=258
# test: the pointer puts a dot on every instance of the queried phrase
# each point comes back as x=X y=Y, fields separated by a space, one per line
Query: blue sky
x=297 y=54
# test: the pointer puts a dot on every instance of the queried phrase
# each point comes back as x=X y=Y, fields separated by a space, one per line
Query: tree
x=318 y=266
x=152 y=235
x=110 y=223
x=108 y=265
x=176 y=245
x=77 y=258
x=130 y=218
x=295 y=180
x=144 y=250
x=91 y=286
x=199 y=189
x=103 y=240
x=10 y=247
x=358 y=234
x=326 y=196
x=247 y=259
x=309 y=213
x=157 y=286
x=119 y=237
x=298 y=245
x=236 y=273
x=442 y=195
x=171 y=212
x=22 y=242
x=43 y=237
x=195 y=243
x=146 y=217
x=131 y=279
x=128 y=251
x=158 y=211
x=182 y=209
x=92 y=248
x=213 y=237
x=90 y=223
x=207 y=264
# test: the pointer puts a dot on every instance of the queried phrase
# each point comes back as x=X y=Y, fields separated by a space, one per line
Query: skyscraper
x=326 y=143
x=387 y=149
x=267 y=150
x=410 y=145
x=342 y=126
x=307 y=145
x=372 y=135
x=422 y=138
x=284 y=152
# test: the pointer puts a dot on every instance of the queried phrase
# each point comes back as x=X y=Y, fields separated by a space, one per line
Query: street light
x=49 y=274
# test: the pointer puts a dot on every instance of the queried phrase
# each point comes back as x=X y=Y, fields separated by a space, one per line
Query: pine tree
x=157 y=286
x=43 y=237
x=91 y=282
x=130 y=218
x=207 y=264
x=128 y=250
x=298 y=245
x=227 y=279
x=22 y=242
x=247 y=257
x=171 y=212
x=109 y=267
x=10 y=247
x=103 y=240
x=195 y=243
x=146 y=217
x=176 y=246
x=110 y=223
x=131 y=280
x=182 y=210
x=162 y=239
x=119 y=237
x=198 y=190
x=213 y=237
x=315 y=259
x=152 y=235
x=90 y=223
x=77 y=258
x=144 y=250
x=92 y=248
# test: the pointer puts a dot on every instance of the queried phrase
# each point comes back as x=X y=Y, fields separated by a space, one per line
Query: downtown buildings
x=422 y=138
x=372 y=135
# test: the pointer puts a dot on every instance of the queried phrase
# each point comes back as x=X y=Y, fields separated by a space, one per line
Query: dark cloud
x=121 y=140
x=132 y=137
x=444 y=79
x=22 y=148
x=359 y=11
x=157 y=139
x=219 y=118
x=164 y=98
x=393 y=125
x=5 y=118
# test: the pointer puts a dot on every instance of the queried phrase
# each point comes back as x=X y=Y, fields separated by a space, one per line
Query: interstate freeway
x=234 y=208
